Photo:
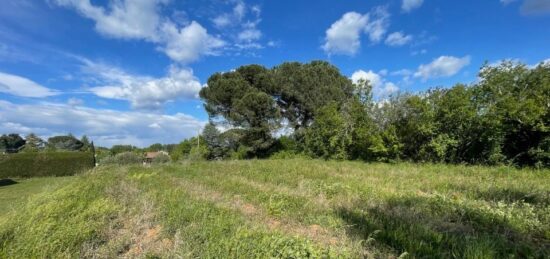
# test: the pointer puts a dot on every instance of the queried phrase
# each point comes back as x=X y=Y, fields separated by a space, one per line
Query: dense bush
x=45 y=164
x=502 y=118
x=161 y=159
x=124 y=158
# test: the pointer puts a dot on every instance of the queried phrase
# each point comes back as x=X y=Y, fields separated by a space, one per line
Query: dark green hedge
x=45 y=164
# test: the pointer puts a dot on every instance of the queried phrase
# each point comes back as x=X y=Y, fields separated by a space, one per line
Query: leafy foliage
x=38 y=164
x=258 y=100
x=65 y=143
x=33 y=143
x=124 y=158
x=11 y=143
x=502 y=119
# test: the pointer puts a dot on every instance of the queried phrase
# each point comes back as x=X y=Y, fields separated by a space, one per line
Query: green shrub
x=198 y=153
x=240 y=153
x=124 y=158
x=161 y=159
x=45 y=164
x=285 y=154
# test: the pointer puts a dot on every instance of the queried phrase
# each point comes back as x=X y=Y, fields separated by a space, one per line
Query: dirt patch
x=149 y=242
x=249 y=209
x=273 y=224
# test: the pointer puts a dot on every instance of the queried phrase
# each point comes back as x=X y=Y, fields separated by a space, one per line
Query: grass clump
x=124 y=158
x=60 y=223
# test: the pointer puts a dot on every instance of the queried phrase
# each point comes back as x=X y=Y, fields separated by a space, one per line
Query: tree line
x=312 y=109
x=14 y=143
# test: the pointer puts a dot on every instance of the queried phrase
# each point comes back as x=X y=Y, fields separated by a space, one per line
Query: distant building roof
x=151 y=155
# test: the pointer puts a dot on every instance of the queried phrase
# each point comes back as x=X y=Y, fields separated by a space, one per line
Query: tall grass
x=292 y=208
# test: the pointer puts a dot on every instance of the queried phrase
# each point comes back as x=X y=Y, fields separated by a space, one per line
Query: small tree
x=328 y=136
x=66 y=143
x=11 y=143
x=213 y=141
x=85 y=143
x=155 y=147
x=33 y=143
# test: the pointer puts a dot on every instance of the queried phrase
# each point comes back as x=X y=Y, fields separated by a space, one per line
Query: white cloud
x=222 y=21
x=419 y=52
x=250 y=35
x=127 y=19
x=402 y=72
x=143 y=92
x=241 y=27
x=233 y=18
x=344 y=35
x=398 y=39
x=75 y=102
x=273 y=44
x=535 y=7
x=388 y=89
x=140 y=19
x=374 y=79
x=379 y=21
x=409 y=5
x=443 y=66
x=381 y=88
x=104 y=127
x=188 y=43
x=20 y=86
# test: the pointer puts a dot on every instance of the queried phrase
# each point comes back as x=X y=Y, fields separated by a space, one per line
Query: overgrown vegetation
x=296 y=209
x=504 y=118
x=124 y=158
x=41 y=164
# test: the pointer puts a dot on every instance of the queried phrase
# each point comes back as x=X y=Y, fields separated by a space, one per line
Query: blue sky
x=129 y=71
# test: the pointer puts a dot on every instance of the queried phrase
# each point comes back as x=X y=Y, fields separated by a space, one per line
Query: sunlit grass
x=285 y=208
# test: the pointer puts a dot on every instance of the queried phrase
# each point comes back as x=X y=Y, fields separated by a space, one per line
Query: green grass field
x=280 y=208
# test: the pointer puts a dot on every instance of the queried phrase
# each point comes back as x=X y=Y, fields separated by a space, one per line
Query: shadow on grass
x=508 y=195
x=6 y=182
x=511 y=195
x=431 y=228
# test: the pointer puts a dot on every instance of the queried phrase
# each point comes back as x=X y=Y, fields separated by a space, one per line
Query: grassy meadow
x=280 y=208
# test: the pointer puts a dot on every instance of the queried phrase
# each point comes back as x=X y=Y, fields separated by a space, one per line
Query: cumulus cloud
x=143 y=92
x=371 y=76
x=128 y=19
x=104 y=127
x=381 y=88
x=535 y=7
x=398 y=39
x=140 y=19
x=20 y=86
x=344 y=35
x=409 y=5
x=188 y=43
x=443 y=66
